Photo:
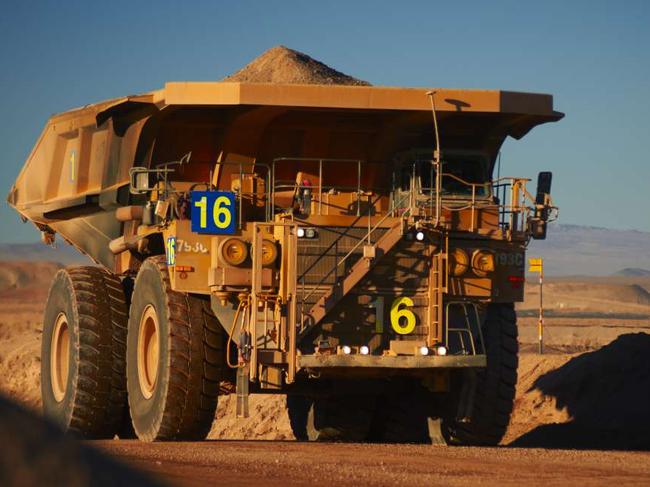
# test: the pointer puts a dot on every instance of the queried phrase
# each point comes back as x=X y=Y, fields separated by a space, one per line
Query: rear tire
x=495 y=389
x=337 y=418
x=298 y=410
x=83 y=382
x=402 y=417
x=174 y=359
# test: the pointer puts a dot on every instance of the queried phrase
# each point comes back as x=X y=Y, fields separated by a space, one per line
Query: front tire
x=174 y=359
x=495 y=388
x=335 y=418
x=83 y=382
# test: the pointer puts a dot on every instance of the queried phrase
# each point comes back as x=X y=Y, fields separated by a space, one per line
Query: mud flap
x=435 y=431
x=467 y=395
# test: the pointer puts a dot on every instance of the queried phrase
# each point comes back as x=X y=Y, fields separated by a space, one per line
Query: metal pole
x=241 y=188
x=358 y=188
x=320 y=187
x=540 y=326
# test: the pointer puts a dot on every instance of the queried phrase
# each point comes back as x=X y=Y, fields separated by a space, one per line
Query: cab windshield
x=458 y=176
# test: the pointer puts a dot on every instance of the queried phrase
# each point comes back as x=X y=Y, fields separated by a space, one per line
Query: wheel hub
x=148 y=351
x=60 y=357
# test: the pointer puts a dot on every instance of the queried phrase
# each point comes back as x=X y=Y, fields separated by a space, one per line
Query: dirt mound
x=36 y=453
x=606 y=393
x=625 y=293
x=533 y=408
x=22 y=275
x=268 y=419
x=588 y=296
x=283 y=65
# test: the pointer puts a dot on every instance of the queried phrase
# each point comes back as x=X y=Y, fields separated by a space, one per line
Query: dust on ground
x=283 y=463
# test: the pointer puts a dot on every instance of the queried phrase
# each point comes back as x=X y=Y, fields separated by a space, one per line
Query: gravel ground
x=290 y=463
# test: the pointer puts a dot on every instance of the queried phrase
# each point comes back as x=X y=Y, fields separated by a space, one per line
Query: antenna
x=499 y=166
x=436 y=153
x=436 y=157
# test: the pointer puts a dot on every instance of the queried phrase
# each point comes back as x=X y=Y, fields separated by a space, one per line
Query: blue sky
x=594 y=57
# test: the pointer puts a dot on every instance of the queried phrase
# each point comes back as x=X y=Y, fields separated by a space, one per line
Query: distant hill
x=591 y=251
x=569 y=250
x=38 y=252
x=633 y=272
x=20 y=275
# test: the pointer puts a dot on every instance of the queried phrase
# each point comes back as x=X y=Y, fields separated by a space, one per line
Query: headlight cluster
x=458 y=262
x=303 y=232
x=482 y=262
x=269 y=252
x=234 y=251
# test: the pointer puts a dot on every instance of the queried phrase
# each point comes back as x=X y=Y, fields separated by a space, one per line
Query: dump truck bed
x=78 y=172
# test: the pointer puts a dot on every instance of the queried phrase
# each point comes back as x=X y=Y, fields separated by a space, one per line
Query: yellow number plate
x=402 y=319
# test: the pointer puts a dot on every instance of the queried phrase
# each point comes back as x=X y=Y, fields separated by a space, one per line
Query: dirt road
x=289 y=463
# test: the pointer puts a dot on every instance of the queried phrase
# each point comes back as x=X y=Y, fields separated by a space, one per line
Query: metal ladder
x=437 y=288
x=466 y=329
x=358 y=271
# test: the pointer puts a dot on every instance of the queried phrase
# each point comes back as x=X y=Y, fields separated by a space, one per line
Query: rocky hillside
x=591 y=251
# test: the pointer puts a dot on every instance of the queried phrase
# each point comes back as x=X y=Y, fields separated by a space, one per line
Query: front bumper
x=402 y=362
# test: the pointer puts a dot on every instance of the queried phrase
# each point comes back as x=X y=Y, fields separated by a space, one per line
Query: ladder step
x=358 y=271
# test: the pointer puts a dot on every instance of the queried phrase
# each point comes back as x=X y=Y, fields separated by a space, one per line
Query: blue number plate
x=213 y=212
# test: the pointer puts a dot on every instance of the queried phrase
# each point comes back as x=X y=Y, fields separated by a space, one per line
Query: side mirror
x=142 y=180
x=537 y=224
x=544 y=180
x=537 y=228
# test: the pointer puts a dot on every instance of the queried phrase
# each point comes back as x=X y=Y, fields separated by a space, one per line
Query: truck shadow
x=36 y=452
x=607 y=394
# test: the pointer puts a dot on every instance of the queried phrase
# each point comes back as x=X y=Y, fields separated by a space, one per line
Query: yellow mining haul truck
x=346 y=246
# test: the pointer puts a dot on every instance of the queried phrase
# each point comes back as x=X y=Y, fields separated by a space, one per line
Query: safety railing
x=321 y=190
x=365 y=239
x=508 y=194
x=512 y=198
x=464 y=331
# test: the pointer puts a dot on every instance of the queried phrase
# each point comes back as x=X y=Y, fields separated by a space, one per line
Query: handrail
x=509 y=203
x=320 y=161
x=333 y=244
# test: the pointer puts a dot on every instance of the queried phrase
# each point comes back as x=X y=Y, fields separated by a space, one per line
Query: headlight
x=269 y=252
x=233 y=251
x=303 y=232
x=482 y=262
x=458 y=262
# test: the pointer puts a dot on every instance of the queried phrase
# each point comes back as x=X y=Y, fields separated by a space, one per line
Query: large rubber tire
x=495 y=388
x=337 y=418
x=298 y=412
x=83 y=381
x=179 y=400
x=402 y=417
